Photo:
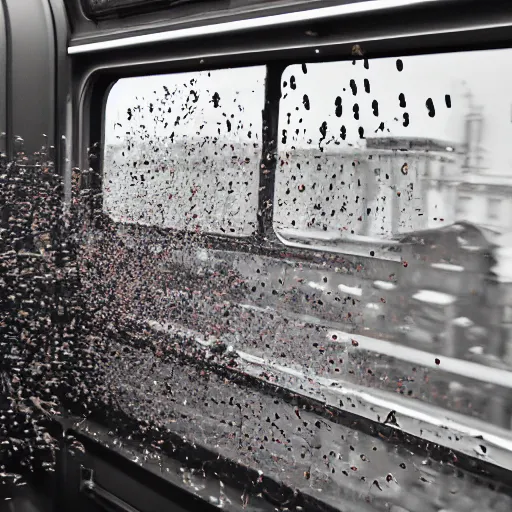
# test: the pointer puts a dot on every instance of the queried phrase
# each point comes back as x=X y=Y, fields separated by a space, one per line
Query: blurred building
x=485 y=199
x=417 y=179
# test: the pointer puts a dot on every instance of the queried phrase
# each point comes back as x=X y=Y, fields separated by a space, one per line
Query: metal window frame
x=227 y=27
x=449 y=28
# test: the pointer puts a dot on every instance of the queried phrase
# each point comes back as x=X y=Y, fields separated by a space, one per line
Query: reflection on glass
x=409 y=164
x=375 y=152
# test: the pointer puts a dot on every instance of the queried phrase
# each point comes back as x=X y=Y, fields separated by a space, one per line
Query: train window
x=3 y=90
x=373 y=150
x=182 y=151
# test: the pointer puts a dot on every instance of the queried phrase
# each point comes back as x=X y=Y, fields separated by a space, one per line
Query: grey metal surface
x=3 y=80
x=32 y=73
x=238 y=347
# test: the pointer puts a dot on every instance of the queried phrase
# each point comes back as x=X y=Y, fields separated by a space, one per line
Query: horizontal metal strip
x=470 y=436
x=247 y=24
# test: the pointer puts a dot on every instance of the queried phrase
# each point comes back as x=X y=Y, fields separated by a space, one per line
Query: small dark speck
x=399 y=65
x=304 y=69
x=448 y=101
x=438 y=361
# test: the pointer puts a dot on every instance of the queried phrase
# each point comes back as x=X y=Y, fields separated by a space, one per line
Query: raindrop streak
x=399 y=65
x=375 y=107
x=448 y=101
x=353 y=86
x=339 y=107
x=401 y=99
x=430 y=106
x=367 y=85
x=305 y=102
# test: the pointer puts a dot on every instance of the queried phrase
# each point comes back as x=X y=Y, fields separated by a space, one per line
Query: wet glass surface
x=198 y=171
x=355 y=351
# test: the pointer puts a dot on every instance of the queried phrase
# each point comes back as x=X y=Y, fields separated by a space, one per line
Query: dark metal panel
x=32 y=55
x=7 y=112
x=269 y=138
x=3 y=80
x=62 y=71
x=100 y=9
x=378 y=36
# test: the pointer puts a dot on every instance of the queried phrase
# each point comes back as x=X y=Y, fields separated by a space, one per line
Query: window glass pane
x=182 y=151
x=371 y=153
x=405 y=160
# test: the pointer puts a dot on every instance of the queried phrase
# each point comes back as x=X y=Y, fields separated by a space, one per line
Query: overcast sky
x=241 y=93
x=485 y=74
